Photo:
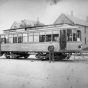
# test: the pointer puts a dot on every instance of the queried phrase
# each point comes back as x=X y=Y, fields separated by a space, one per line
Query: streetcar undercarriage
x=38 y=55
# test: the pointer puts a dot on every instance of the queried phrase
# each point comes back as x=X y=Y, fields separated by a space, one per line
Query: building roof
x=74 y=20
x=25 y=23
x=16 y=24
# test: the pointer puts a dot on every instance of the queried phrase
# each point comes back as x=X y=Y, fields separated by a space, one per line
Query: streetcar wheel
x=25 y=57
x=8 y=57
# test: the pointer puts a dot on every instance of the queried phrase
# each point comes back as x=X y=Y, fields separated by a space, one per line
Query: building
x=81 y=24
x=25 y=23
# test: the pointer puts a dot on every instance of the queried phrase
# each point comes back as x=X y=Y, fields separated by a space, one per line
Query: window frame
x=79 y=35
x=15 y=36
x=70 y=35
x=36 y=34
x=31 y=34
x=26 y=37
x=42 y=34
x=55 y=32
x=10 y=37
x=48 y=34
x=6 y=37
x=20 y=37
x=3 y=38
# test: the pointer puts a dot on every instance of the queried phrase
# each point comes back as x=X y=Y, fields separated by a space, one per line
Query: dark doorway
x=62 y=39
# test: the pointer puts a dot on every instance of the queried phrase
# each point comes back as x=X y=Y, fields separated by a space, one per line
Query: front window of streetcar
x=74 y=35
x=69 y=35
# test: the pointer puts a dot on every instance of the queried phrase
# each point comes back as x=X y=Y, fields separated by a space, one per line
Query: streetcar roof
x=41 y=28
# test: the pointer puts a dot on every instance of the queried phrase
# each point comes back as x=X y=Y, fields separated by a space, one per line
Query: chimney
x=86 y=18
x=37 y=20
x=71 y=13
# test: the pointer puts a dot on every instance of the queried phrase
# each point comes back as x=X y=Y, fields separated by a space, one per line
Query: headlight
x=80 y=46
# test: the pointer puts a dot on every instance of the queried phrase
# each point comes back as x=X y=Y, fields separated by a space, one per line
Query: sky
x=46 y=10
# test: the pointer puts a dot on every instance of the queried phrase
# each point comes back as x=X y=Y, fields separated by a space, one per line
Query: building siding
x=63 y=19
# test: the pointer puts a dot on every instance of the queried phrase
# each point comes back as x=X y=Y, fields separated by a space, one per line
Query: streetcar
x=22 y=42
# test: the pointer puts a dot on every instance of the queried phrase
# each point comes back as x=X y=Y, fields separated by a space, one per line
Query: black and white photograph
x=43 y=43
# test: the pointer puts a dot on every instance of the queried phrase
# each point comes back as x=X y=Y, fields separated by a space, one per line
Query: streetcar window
x=24 y=38
x=36 y=37
x=48 y=36
x=69 y=35
x=74 y=37
x=15 y=38
x=20 y=38
x=2 y=39
x=30 y=37
x=6 y=39
x=55 y=36
x=42 y=37
x=78 y=35
x=10 y=38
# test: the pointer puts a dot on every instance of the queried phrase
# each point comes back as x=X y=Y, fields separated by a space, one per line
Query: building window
x=69 y=35
x=78 y=35
x=85 y=40
x=85 y=30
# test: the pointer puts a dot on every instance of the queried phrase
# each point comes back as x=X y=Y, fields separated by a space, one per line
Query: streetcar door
x=62 y=39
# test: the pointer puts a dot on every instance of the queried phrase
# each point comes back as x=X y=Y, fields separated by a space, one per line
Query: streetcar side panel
x=30 y=47
x=73 y=45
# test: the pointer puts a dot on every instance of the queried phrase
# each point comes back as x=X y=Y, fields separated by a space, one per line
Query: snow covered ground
x=15 y=73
